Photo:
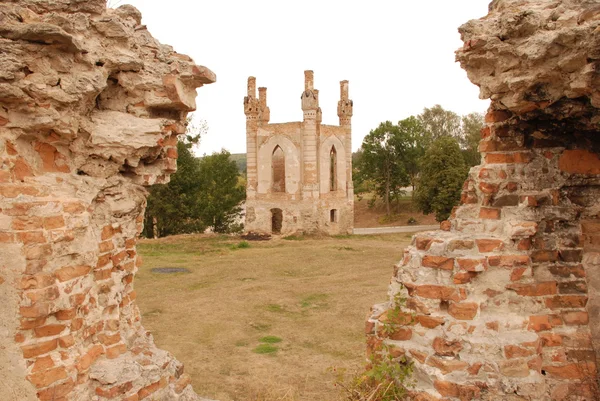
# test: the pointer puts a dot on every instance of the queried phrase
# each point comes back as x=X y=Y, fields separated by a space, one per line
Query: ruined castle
x=299 y=173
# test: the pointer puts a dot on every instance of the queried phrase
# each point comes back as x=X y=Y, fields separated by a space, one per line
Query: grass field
x=265 y=321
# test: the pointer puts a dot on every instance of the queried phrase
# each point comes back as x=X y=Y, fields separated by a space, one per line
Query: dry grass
x=365 y=216
x=313 y=294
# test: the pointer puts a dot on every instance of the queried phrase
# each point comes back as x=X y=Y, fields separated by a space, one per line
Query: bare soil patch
x=367 y=217
x=265 y=320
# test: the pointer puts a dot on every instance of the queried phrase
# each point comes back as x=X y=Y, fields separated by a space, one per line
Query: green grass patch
x=270 y=339
x=314 y=301
x=240 y=245
x=265 y=349
x=295 y=238
x=275 y=308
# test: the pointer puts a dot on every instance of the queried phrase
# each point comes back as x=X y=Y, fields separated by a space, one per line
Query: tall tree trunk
x=387 y=192
x=154 y=227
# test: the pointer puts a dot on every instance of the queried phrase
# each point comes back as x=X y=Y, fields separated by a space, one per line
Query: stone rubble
x=502 y=303
x=90 y=109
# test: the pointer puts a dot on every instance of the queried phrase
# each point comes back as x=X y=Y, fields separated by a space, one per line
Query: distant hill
x=240 y=160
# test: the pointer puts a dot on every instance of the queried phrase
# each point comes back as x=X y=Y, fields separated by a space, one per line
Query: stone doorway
x=276 y=220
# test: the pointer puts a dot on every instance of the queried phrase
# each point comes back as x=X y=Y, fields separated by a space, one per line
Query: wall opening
x=333 y=169
x=276 y=220
x=278 y=170
x=333 y=215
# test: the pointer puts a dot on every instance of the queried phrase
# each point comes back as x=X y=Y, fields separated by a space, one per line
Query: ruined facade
x=300 y=173
x=503 y=303
x=90 y=110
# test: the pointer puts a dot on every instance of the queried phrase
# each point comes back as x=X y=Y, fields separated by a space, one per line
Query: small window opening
x=333 y=216
x=332 y=169
x=278 y=170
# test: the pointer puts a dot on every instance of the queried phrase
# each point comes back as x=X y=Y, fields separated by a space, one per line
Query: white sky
x=398 y=56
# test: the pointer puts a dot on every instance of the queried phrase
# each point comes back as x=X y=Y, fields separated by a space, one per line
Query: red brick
x=49 y=330
x=28 y=324
x=66 y=314
x=56 y=393
x=472 y=265
x=579 y=161
x=40 y=348
x=437 y=292
x=496 y=116
x=438 y=262
x=152 y=388
x=542 y=256
x=42 y=363
x=463 y=310
x=36 y=310
x=46 y=378
x=539 y=323
x=460 y=391
x=463 y=277
x=22 y=223
x=446 y=365
x=430 y=322
x=571 y=371
x=37 y=281
x=52 y=160
x=501 y=158
x=54 y=222
x=445 y=225
x=534 y=289
x=445 y=347
x=575 y=318
x=130 y=243
x=70 y=272
x=517 y=273
x=106 y=246
x=566 y=301
x=400 y=334
x=422 y=243
x=489 y=213
x=66 y=341
x=508 y=260
x=114 y=391
x=86 y=360
x=32 y=237
x=489 y=245
x=183 y=381
x=514 y=351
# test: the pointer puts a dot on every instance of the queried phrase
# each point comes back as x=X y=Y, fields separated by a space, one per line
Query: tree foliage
x=173 y=207
x=472 y=124
x=443 y=172
x=220 y=195
x=381 y=163
x=438 y=122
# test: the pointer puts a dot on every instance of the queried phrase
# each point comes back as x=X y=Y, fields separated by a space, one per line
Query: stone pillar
x=310 y=108
x=345 y=110
x=252 y=110
x=502 y=303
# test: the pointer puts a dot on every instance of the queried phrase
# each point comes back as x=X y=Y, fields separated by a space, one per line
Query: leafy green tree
x=443 y=172
x=411 y=136
x=381 y=162
x=472 y=124
x=220 y=194
x=438 y=122
x=173 y=207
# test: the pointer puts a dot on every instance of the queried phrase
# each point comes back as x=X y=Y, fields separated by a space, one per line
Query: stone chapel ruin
x=299 y=173
x=504 y=303
x=90 y=109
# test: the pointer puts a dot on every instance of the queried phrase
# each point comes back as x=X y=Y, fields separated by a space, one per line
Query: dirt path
x=391 y=230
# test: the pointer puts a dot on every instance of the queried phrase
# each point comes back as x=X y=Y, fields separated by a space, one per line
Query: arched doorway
x=276 y=220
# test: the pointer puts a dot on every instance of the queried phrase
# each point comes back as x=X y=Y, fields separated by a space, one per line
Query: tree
x=471 y=125
x=220 y=195
x=413 y=139
x=443 y=172
x=438 y=122
x=381 y=162
x=173 y=207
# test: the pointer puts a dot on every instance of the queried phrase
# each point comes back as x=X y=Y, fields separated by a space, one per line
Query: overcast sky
x=398 y=56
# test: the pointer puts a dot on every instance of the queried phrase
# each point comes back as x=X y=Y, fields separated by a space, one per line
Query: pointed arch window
x=333 y=169
x=278 y=170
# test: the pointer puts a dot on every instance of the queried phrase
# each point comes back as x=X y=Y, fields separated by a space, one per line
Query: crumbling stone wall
x=90 y=109
x=503 y=302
